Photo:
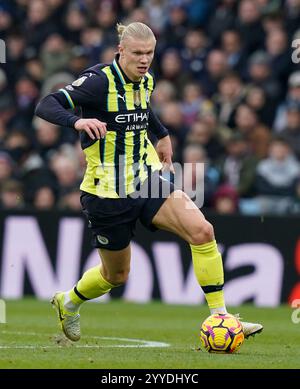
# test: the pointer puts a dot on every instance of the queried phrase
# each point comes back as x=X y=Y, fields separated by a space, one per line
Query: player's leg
x=95 y=282
x=111 y=233
x=99 y=280
x=180 y=215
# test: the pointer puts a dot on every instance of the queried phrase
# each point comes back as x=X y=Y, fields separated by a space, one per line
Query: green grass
x=32 y=338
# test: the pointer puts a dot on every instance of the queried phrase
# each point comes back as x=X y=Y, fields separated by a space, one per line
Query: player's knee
x=203 y=233
x=118 y=278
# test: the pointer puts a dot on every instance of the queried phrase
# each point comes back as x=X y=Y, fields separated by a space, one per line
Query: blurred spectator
x=230 y=94
x=260 y=72
x=91 y=38
x=18 y=144
x=292 y=15
x=277 y=46
x=216 y=68
x=47 y=138
x=232 y=46
x=272 y=22
x=202 y=134
x=208 y=116
x=176 y=27
x=7 y=108
x=199 y=11
x=276 y=181
x=198 y=174
x=75 y=22
x=6 y=166
x=38 y=26
x=44 y=198
x=65 y=167
x=257 y=135
x=16 y=43
x=249 y=25
x=172 y=70
x=257 y=100
x=157 y=12
x=6 y=20
x=291 y=132
x=238 y=166
x=106 y=18
x=127 y=6
x=193 y=98
x=55 y=82
x=293 y=94
x=268 y=6
x=79 y=60
x=35 y=70
x=172 y=118
x=278 y=174
x=164 y=92
x=194 y=52
x=138 y=15
x=71 y=200
x=11 y=195
x=225 y=200
x=26 y=99
x=108 y=54
x=55 y=54
x=222 y=19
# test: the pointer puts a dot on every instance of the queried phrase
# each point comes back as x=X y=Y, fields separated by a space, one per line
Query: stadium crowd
x=227 y=88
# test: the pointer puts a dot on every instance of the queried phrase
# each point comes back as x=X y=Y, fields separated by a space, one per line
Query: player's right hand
x=93 y=127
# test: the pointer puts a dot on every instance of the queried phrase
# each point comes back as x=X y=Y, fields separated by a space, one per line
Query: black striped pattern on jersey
x=128 y=151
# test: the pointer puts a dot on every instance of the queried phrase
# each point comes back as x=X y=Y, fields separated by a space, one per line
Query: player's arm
x=55 y=107
x=164 y=145
x=156 y=127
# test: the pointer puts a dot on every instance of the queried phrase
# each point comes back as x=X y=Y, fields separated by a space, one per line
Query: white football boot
x=250 y=329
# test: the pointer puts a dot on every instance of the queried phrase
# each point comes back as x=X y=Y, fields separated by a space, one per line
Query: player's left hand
x=165 y=153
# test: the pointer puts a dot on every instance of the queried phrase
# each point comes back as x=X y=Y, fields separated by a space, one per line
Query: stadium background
x=228 y=90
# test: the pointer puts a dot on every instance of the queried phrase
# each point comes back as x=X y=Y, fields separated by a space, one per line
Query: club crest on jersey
x=79 y=81
x=137 y=97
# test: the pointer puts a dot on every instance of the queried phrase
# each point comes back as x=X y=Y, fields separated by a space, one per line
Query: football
x=221 y=333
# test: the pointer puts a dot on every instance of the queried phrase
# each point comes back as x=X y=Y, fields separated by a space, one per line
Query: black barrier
x=261 y=259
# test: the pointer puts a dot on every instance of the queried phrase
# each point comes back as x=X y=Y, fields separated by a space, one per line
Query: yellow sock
x=208 y=267
x=91 y=285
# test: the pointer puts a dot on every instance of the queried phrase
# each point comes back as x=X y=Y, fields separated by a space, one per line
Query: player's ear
x=121 y=49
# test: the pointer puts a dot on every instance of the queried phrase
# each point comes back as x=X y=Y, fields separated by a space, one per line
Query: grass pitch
x=152 y=336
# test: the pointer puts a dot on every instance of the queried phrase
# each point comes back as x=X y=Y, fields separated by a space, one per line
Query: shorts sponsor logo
x=102 y=239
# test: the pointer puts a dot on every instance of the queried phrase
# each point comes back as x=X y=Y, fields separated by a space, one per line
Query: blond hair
x=135 y=30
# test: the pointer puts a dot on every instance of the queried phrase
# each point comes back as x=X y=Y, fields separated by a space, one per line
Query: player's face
x=136 y=57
